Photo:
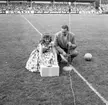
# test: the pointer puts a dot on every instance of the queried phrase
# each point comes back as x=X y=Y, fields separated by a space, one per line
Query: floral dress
x=34 y=62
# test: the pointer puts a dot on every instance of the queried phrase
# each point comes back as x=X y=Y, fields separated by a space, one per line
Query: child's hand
x=45 y=49
x=50 y=46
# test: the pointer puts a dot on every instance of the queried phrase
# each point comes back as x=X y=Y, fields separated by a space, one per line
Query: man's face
x=64 y=31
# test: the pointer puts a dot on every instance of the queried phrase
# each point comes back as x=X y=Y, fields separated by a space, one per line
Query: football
x=88 y=57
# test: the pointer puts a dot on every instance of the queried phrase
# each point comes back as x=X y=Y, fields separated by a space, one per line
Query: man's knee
x=74 y=53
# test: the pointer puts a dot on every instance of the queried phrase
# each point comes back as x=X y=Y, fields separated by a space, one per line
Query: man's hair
x=65 y=27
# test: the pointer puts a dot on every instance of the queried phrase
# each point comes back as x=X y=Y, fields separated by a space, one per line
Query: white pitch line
x=90 y=86
x=32 y=25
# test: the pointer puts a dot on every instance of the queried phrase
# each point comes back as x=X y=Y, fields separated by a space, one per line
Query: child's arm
x=44 y=49
x=40 y=51
x=55 y=54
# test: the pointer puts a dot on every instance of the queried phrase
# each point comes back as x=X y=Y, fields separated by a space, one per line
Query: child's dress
x=47 y=58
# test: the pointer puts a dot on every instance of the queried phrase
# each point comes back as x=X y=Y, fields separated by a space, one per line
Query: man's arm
x=72 y=42
x=56 y=45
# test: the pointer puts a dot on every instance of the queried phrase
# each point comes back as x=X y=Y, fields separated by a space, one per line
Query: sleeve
x=56 y=44
x=73 y=41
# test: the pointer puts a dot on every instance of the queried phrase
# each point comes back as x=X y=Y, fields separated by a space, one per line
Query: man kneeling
x=65 y=44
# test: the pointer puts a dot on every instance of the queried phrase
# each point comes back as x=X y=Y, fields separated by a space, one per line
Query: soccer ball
x=88 y=57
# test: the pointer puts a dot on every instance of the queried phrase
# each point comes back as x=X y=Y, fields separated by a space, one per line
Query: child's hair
x=45 y=36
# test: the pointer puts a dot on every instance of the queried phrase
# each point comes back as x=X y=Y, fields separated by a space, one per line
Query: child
x=44 y=54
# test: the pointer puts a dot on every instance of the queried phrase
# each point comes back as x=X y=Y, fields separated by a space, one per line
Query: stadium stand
x=48 y=8
x=104 y=8
x=2 y=8
x=56 y=7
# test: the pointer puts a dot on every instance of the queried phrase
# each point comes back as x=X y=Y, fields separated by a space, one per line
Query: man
x=65 y=44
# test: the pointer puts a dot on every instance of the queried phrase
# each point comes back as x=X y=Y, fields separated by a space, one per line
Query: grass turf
x=21 y=87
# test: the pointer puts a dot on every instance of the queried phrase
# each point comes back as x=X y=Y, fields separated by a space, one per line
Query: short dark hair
x=65 y=27
x=45 y=36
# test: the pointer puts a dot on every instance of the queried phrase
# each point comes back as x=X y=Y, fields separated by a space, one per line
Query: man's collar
x=66 y=34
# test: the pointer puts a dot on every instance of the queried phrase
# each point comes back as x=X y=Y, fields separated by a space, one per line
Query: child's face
x=47 y=40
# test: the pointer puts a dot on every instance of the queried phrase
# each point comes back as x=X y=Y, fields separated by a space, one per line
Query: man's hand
x=64 y=57
x=70 y=45
x=64 y=54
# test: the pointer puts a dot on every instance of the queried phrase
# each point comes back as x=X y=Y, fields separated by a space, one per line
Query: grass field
x=18 y=86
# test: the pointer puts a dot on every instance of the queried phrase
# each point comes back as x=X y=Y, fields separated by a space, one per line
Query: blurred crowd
x=104 y=7
x=46 y=8
x=2 y=8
